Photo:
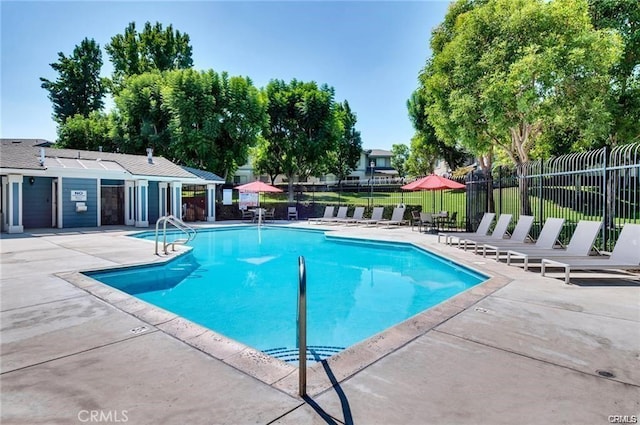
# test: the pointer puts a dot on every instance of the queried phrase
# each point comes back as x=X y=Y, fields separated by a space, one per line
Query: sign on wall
x=247 y=199
x=78 y=195
x=227 y=196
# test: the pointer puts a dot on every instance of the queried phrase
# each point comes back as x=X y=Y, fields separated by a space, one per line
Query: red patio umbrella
x=433 y=183
x=257 y=186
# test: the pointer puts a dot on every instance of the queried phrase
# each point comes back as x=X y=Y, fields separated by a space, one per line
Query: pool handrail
x=189 y=232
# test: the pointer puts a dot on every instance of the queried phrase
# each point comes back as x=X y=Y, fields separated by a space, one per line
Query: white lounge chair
x=498 y=234
x=546 y=240
x=519 y=235
x=397 y=218
x=342 y=214
x=376 y=215
x=483 y=230
x=625 y=255
x=579 y=246
x=328 y=213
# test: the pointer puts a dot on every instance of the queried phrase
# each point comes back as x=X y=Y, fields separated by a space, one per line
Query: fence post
x=541 y=195
x=605 y=199
x=500 y=190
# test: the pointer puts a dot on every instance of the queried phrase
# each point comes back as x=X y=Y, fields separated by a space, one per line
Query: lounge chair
x=376 y=215
x=625 y=255
x=397 y=218
x=342 y=215
x=546 y=240
x=519 y=235
x=498 y=234
x=358 y=213
x=483 y=230
x=579 y=246
x=328 y=213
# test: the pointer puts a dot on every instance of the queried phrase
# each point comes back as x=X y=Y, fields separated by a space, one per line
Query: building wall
x=71 y=218
x=36 y=202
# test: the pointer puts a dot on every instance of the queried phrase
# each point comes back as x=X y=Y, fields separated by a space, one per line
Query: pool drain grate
x=138 y=330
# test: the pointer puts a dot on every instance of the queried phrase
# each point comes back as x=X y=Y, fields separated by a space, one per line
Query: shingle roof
x=24 y=154
x=379 y=153
x=206 y=175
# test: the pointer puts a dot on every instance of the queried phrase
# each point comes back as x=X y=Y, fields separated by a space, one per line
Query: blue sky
x=370 y=52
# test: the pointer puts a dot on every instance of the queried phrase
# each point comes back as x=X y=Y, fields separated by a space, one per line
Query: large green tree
x=426 y=147
x=504 y=70
x=153 y=49
x=343 y=159
x=143 y=118
x=78 y=89
x=302 y=128
x=399 y=156
x=215 y=119
x=622 y=16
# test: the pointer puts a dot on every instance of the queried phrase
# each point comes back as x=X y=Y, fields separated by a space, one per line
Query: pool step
x=314 y=353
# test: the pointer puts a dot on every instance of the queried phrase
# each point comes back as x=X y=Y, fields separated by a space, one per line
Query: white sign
x=78 y=195
x=227 y=196
x=248 y=199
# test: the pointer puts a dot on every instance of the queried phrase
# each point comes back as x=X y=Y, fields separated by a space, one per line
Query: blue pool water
x=243 y=283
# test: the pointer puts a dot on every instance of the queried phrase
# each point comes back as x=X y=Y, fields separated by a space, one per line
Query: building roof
x=203 y=174
x=24 y=154
x=376 y=153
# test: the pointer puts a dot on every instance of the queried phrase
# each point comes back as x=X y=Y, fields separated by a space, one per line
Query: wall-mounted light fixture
x=32 y=180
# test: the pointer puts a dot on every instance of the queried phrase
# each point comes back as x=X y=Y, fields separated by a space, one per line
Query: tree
x=302 y=127
x=154 y=49
x=215 y=119
x=507 y=69
x=343 y=159
x=622 y=16
x=426 y=147
x=87 y=133
x=399 y=157
x=265 y=159
x=78 y=88
x=143 y=117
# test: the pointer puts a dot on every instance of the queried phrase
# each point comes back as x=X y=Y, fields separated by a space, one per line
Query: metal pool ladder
x=302 y=327
x=189 y=233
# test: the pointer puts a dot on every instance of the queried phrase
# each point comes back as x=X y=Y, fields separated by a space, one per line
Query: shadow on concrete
x=344 y=402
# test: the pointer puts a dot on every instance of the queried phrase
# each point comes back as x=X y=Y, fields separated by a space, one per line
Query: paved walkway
x=533 y=351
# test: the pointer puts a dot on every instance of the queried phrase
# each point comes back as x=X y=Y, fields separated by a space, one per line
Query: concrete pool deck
x=527 y=350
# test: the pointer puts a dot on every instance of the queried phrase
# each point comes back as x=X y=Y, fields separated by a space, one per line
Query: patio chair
x=483 y=230
x=376 y=215
x=328 y=213
x=625 y=255
x=498 y=234
x=342 y=215
x=427 y=221
x=519 y=235
x=269 y=214
x=546 y=240
x=452 y=221
x=579 y=246
x=415 y=220
x=247 y=214
x=397 y=218
x=292 y=213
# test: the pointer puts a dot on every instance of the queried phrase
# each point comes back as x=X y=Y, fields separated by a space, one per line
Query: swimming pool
x=242 y=282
